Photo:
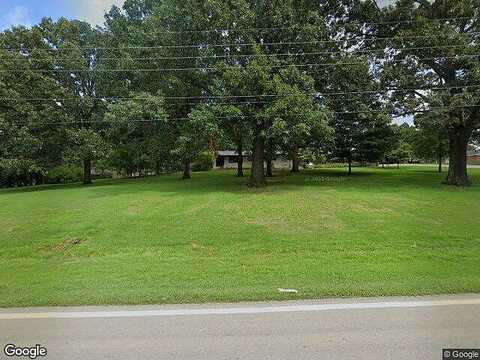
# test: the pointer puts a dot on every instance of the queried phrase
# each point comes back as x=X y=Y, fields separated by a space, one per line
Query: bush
x=65 y=174
x=203 y=163
x=19 y=172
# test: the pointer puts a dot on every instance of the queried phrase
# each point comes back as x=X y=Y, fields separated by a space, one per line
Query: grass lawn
x=212 y=239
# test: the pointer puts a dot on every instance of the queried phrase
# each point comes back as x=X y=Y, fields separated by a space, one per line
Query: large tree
x=360 y=116
x=32 y=122
x=434 y=52
x=248 y=89
x=299 y=123
x=78 y=67
x=141 y=132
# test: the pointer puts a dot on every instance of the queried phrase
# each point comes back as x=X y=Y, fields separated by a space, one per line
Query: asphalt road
x=387 y=328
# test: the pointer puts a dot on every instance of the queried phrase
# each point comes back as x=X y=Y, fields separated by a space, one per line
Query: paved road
x=387 y=328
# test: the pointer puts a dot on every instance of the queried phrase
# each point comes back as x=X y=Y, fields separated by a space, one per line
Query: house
x=473 y=157
x=228 y=159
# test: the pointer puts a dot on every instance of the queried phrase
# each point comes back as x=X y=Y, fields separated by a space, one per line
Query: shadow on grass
x=79 y=186
x=377 y=180
x=47 y=187
x=374 y=179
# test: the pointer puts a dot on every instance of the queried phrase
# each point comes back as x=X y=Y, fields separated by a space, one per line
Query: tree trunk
x=187 y=169
x=349 y=167
x=38 y=179
x=157 y=168
x=257 y=176
x=269 y=168
x=398 y=164
x=240 y=160
x=87 y=171
x=295 y=160
x=457 y=167
x=440 y=159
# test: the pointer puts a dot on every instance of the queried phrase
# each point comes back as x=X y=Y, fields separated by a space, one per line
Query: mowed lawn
x=212 y=239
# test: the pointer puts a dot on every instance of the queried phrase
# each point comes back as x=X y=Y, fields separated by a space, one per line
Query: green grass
x=212 y=239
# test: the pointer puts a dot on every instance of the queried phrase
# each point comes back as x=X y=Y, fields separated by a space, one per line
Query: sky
x=382 y=3
x=29 y=12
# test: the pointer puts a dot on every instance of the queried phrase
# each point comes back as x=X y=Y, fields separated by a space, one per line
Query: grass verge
x=212 y=239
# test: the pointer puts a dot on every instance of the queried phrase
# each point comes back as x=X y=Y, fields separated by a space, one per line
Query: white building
x=228 y=159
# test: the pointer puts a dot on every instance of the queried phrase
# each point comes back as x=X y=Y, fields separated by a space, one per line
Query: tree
x=298 y=122
x=32 y=133
x=79 y=69
x=258 y=75
x=235 y=127
x=195 y=133
x=142 y=133
x=85 y=144
x=376 y=140
x=401 y=153
x=267 y=84
x=232 y=115
x=430 y=141
x=149 y=23
x=440 y=69
x=250 y=83
x=360 y=116
x=401 y=148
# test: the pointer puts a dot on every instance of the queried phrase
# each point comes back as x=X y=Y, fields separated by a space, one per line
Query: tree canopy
x=162 y=82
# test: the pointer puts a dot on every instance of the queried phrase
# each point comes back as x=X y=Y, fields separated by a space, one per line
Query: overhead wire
x=295 y=27
x=235 y=56
x=123 y=121
x=213 y=97
x=216 y=69
x=239 y=44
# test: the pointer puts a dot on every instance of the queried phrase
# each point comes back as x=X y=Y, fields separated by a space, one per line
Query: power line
x=214 y=97
x=213 y=69
x=295 y=27
x=234 y=56
x=229 y=45
x=253 y=29
x=246 y=117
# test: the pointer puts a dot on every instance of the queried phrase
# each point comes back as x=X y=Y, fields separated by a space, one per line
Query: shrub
x=19 y=172
x=65 y=174
x=203 y=163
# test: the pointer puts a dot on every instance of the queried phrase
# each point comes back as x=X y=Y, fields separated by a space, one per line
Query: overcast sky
x=29 y=12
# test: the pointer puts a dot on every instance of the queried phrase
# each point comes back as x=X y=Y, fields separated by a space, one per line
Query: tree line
x=163 y=82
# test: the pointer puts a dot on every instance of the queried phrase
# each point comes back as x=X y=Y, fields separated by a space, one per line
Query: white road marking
x=235 y=310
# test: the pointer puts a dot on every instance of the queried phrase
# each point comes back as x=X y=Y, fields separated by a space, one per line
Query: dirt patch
x=135 y=210
x=62 y=246
x=203 y=249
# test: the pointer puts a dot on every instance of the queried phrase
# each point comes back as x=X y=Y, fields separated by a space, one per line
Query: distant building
x=473 y=157
x=228 y=159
